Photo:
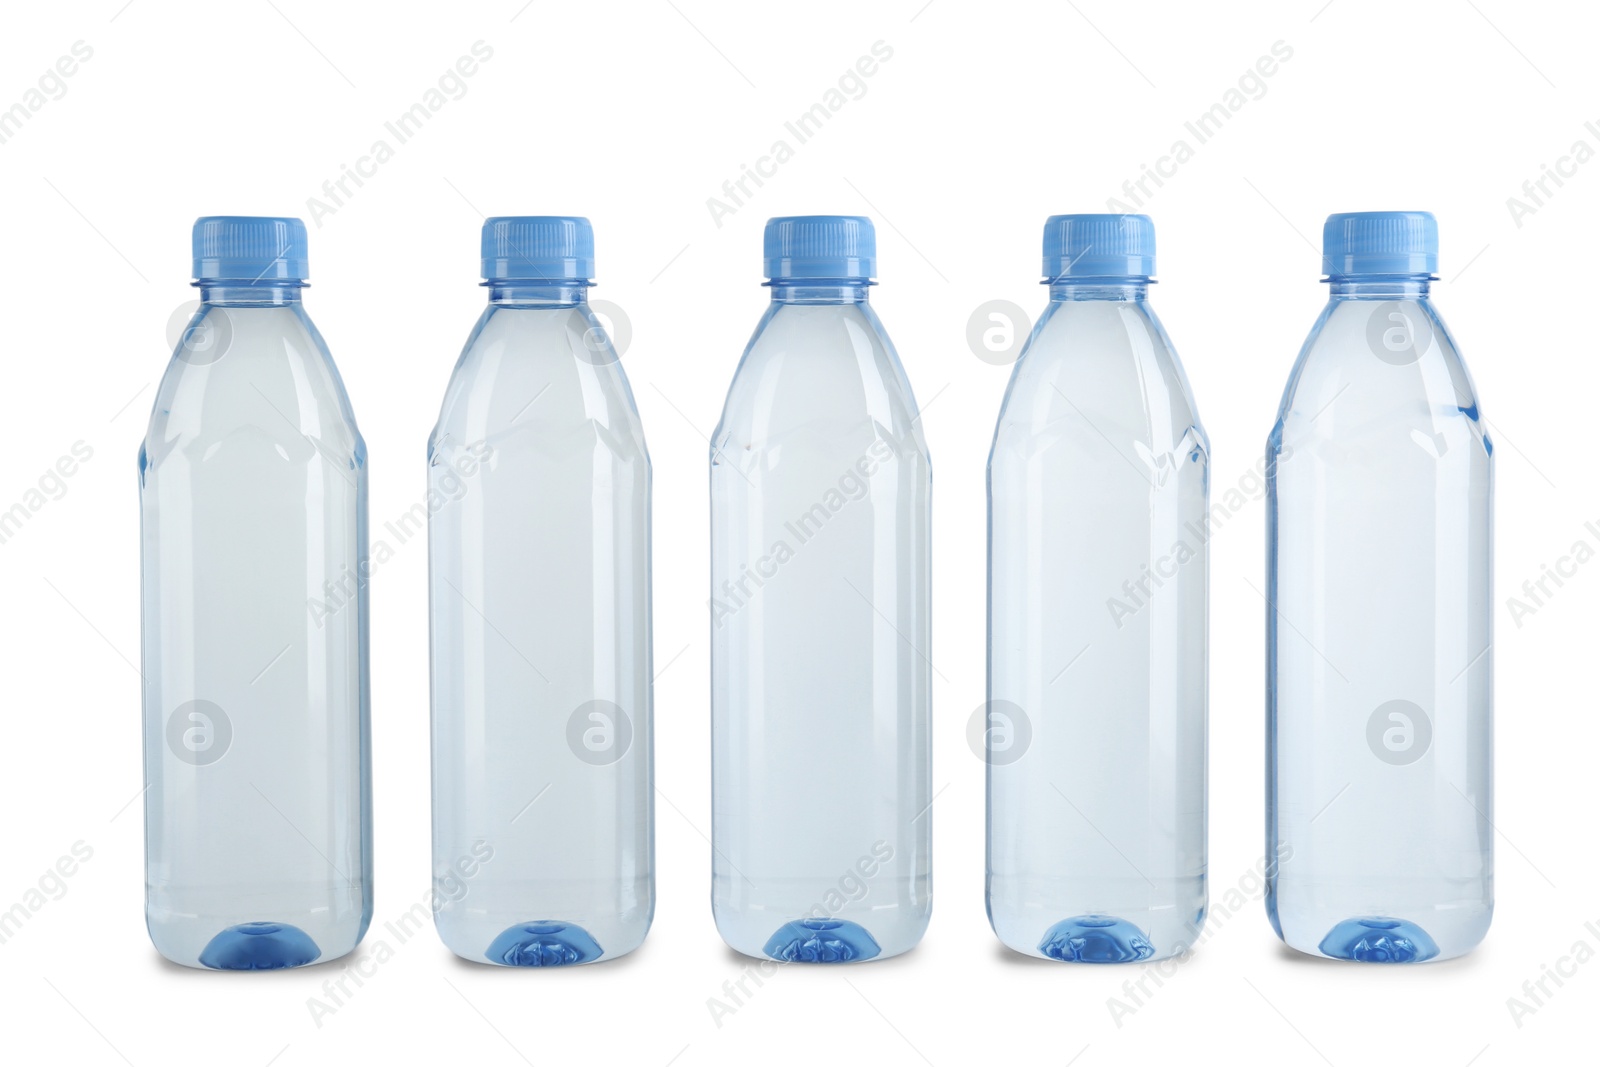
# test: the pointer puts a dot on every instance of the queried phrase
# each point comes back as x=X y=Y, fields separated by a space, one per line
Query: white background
x=987 y=118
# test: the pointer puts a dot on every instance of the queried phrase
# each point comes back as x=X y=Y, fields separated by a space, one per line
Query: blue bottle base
x=260 y=946
x=1378 y=939
x=1096 y=939
x=821 y=941
x=543 y=944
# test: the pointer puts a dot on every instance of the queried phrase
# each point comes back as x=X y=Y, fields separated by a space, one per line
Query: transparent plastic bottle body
x=1096 y=734
x=820 y=512
x=253 y=501
x=539 y=570
x=1379 y=628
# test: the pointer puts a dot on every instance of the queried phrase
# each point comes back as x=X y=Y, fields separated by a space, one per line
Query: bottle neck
x=818 y=291
x=525 y=294
x=1380 y=287
x=277 y=293
x=1122 y=290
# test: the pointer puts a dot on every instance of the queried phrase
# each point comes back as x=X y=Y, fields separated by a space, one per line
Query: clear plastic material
x=253 y=500
x=820 y=486
x=1379 y=669
x=1096 y=721
x=538 y=513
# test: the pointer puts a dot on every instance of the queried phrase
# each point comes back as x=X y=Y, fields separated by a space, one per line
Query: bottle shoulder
x=1379 y=371
x=540 y=378
x=822 y=376
x=261 y=375
x=1099 y=371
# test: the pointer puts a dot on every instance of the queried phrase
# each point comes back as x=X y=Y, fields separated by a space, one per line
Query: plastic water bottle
x=1379 y=669
x=253 y=506
x=820 y=682
x=539 y=571
x=1096 y=720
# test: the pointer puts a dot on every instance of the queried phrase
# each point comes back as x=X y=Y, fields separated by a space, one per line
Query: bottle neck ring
x=521 y=293
x=227 y=293
x=819 y=290
x=1379 y=286
x=1120 y=290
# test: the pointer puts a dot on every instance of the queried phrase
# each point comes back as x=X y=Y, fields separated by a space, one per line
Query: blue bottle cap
x=249 y=248
x=820 y=246
x=1380 y=242
x=1099 y=246
x=553 y=248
